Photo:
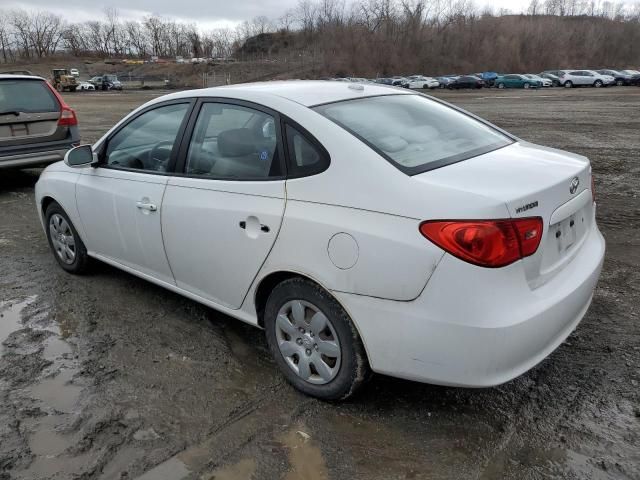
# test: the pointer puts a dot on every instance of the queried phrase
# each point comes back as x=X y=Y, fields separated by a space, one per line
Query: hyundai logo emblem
x=575 y=183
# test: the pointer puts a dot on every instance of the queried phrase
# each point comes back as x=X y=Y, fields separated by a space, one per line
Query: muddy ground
x=106 y=376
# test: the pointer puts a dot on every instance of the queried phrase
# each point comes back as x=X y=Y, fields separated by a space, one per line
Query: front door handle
x=151 y=207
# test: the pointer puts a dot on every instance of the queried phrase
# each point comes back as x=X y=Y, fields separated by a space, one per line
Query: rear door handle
x=243 y=225
x=151 y=207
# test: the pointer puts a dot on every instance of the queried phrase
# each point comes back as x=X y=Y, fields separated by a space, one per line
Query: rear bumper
x=476 y=327
x=36 y=159
x=38 y=154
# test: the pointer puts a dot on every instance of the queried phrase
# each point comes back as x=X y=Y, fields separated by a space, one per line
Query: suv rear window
x=27 y=96
x=414 y=133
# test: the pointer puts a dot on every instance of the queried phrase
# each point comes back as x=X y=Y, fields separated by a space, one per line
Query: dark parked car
x=621 y=78
x=466 y=81
x=384 y=81
x=36 y=126
x=106 y=82
x=635 y=76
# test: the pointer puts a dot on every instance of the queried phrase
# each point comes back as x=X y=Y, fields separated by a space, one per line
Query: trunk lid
x=531 y=181
x=29 y=112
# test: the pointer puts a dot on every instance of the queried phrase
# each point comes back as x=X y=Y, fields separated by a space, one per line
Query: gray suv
x=36 y=126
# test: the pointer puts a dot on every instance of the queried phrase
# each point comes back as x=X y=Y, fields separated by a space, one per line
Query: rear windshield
x=414 y=133
x=26 y=96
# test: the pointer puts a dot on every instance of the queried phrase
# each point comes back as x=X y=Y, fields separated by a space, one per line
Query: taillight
x=593 y=189
x=487 y=243
x=67 y=114
x=67 y=118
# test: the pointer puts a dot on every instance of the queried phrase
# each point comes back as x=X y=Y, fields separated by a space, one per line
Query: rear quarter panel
x=378 y=255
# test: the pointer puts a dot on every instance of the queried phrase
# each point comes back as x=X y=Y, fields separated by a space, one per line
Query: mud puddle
x=50 y=403
x=10 y=320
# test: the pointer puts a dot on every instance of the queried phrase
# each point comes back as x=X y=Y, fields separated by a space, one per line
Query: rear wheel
x=620 y=83
x=65 y=243
x=313 y=341
x=501 y=85
x=568 y=84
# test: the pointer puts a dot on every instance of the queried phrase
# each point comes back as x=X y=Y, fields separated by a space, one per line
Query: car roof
x=23 y=77
x=304 y=92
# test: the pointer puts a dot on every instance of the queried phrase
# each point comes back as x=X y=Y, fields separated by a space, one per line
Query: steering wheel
x=156 y=154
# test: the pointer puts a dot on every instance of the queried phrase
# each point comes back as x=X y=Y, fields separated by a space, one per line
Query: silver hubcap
x=308 y=342
x=62 y=238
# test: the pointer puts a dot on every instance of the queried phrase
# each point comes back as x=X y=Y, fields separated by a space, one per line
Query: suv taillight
x=67 y=117
x=486 y=243
x=67 y=114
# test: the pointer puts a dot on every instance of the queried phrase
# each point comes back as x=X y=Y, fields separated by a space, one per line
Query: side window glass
x=146 y=142
x=305 y=157
x=234 y=142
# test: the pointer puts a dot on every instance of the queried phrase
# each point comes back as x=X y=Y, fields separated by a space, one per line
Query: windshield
x=414 y=133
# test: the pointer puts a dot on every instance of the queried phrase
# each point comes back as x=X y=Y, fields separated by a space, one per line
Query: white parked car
x=420 y=81
x=86 y=86
x=363 y=227
x=546 y=82
x=580 y=78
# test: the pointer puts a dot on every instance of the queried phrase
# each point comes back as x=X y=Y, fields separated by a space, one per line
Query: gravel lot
x=107 y=376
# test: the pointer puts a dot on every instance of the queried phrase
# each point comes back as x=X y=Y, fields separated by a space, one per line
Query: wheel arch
x=267 y=283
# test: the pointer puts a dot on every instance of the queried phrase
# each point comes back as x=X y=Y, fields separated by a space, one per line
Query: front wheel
x=527 y=86
x=597 y=83
x=313 y=341
x=66 y=245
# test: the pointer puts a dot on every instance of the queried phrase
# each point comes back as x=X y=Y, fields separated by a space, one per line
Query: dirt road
x=109 y=377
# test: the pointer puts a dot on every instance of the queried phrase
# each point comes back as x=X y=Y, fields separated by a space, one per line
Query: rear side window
x=26 y=96
x=234 y=142
x=306 y=157
x=414 y=133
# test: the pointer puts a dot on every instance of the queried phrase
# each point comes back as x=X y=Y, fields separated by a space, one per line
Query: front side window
x=233 y=142
x=414 y=133
x=146 y=142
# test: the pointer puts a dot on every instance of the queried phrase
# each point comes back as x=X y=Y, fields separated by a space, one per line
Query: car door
x=120 y=201
x=221 y=216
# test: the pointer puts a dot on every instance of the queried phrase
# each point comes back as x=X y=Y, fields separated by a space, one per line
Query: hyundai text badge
x=574 y=185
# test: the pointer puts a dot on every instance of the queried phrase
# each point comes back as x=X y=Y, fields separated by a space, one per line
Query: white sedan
x=86 y=86
x=419 y=81
x=363 y=227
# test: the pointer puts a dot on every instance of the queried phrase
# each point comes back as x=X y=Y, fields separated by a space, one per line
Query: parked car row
x=548 y=78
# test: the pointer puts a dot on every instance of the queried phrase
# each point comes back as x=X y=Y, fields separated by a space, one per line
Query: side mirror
x=80 y=156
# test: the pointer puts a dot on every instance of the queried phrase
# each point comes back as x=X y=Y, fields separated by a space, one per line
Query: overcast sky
x=207 y=13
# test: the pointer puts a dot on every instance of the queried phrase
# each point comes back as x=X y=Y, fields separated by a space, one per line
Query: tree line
x=361 y=37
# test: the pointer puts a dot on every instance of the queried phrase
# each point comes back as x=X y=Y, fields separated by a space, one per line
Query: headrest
x=238 y=142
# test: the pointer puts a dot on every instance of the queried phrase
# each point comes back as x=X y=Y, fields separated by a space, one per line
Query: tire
x=59 y=87
x=292 y=336
x=568 y=84
x=526 y=86
x=501 y=85
x=598 y=83
x=619 y=83
x=57 y=222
